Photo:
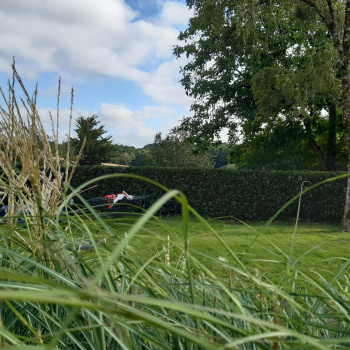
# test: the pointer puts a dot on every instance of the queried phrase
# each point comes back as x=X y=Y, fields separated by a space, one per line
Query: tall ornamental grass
x=31 y=178
x=111 y=298
x=54 y=294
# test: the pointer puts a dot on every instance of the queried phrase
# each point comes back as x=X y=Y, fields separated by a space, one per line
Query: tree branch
x=315 y=8
x=331 y=9
x=330 y=22
x=346 y=35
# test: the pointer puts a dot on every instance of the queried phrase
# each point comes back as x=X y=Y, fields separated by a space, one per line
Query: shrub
x=244 y=194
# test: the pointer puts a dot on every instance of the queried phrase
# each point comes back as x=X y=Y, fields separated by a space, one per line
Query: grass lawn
x=318 y=247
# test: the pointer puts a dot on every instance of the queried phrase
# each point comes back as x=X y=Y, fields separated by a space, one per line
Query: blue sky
x=117 y=54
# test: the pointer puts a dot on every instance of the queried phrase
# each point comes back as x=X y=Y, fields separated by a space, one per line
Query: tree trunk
x=314 y=146
x=346 y=113
x=344 y=55
x=346 y=218
x=332 y=137
x=319 y=154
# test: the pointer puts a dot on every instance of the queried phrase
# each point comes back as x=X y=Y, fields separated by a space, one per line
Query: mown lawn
x=318 y=248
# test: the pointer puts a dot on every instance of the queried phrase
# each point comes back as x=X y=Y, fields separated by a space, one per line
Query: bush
x=243 y=194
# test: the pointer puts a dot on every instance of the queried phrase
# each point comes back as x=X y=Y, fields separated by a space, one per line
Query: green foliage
x=284 y=145
x=175 y=152
x=123 y=155
x=221 y=155
x=170 y=151
x=143 y=157
x=244 y=194
x=252 y=63
x=98 y=148
x=130 y=155
x=63 y=148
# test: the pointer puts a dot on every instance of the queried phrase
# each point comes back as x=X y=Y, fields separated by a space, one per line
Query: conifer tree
x=98 y=147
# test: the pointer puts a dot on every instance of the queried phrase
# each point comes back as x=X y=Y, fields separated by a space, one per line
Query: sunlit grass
x=317 y=246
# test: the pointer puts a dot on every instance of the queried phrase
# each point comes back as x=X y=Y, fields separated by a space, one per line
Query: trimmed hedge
x=244 y=194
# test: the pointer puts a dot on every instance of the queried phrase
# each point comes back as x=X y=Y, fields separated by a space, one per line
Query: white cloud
x=127 y=127
x=174 y=13
x=134 y=128
x=64 y=119
x=85 y=40
x=110 y=14
x=162 y=85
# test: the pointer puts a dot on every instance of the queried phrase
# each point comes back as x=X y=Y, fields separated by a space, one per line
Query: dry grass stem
x=31 y=179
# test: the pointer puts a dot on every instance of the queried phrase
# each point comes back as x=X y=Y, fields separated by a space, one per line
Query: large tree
x=252 y=61
x=98 y=147
x=250 y=71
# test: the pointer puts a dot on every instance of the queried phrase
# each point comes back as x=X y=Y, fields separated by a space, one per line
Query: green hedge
x=244 y=194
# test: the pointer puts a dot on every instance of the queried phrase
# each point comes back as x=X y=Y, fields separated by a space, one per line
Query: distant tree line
x=274 y=150
x=172 y=150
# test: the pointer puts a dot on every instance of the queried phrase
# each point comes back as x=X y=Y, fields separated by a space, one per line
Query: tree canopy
x=98 y=148
x=174 y=151
x=254 y=66
x=252 y=61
